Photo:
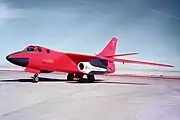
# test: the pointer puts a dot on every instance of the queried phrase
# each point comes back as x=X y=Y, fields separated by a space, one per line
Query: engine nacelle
x=88 y=68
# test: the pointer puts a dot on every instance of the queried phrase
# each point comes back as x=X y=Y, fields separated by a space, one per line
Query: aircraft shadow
x=41 y=79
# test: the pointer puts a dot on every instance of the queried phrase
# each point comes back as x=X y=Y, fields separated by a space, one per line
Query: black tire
x=70 y=77
x=35 y=78
x=90 y=78
x=80 y=80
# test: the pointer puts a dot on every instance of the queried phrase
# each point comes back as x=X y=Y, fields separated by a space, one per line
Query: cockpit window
x=47 y=50
x=39 y=49
x=29 y=49
x=33 y=49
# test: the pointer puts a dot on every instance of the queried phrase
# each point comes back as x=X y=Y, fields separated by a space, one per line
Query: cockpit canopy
x=33 y=49
x=36 y=49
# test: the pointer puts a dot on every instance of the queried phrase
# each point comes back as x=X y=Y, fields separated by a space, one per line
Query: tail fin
x=110 y=48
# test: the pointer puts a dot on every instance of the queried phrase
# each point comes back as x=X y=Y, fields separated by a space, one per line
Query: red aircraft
x=37 y=59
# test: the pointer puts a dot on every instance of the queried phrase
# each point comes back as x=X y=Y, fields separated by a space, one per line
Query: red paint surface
x=67 y=62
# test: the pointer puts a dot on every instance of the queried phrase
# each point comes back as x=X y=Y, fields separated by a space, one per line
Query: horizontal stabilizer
x=126 y=54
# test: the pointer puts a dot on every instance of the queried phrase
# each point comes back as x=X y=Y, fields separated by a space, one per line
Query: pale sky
x=149 y=27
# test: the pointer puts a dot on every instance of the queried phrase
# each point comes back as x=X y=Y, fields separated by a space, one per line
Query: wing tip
x=172 y=66
x=166 y=65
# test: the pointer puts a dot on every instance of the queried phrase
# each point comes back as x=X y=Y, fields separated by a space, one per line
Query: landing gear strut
x=35 y=78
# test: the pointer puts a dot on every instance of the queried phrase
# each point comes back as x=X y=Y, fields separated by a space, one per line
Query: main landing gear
x=35 y=78
x=70 y=77
x=90 y=78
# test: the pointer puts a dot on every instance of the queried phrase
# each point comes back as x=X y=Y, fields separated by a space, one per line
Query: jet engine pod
x=88 y=68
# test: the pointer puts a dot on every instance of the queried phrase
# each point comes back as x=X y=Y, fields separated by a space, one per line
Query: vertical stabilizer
x=110 y=48
x=109 y=51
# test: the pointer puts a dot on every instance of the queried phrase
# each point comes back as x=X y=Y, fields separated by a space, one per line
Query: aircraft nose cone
x=18 y=61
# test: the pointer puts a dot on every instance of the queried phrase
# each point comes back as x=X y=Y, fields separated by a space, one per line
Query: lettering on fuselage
x=87 y=67
x=50 y=61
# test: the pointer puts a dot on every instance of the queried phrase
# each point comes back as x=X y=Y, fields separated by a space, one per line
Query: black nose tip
x=7 y=58
x=18 y=61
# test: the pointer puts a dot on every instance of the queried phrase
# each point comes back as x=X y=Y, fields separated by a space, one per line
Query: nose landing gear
x=35 y=78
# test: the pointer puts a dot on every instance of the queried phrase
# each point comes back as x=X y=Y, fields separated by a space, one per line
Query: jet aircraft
x=38 y=59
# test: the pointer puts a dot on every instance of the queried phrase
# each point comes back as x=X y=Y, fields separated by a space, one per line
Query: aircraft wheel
x=90 y=78
x=35 y=78
x=70 y=77
x=81 y=80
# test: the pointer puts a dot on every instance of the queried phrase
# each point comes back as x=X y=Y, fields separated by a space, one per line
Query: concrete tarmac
x=109 y=98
